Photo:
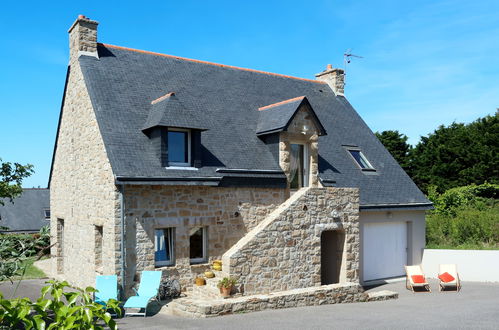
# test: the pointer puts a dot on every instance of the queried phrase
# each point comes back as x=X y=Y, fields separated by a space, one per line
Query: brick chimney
x=335 y=78
x=83 y=38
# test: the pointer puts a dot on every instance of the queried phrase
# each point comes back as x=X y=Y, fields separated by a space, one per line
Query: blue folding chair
x=148 y=290
x=107 y=286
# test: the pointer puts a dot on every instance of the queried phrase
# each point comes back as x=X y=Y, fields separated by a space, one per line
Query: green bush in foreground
x=63 y=310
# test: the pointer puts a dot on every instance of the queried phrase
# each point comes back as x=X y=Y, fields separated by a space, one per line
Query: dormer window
x=361 y=160
x=179 y=147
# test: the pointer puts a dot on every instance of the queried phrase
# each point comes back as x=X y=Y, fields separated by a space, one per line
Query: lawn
x=31 y=271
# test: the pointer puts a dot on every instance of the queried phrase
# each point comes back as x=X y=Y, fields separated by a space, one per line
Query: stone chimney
x=83 y=38
x=335 y=78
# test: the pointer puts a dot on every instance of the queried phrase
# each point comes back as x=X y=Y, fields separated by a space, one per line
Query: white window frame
x=171 y=262
x=205 y=247
x=369 y=167
x=182 y=164
x=306 y=161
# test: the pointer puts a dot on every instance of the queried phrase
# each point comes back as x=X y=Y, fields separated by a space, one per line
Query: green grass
x=32 y=271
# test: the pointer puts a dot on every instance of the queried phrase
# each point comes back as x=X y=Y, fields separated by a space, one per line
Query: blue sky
x=425 y=63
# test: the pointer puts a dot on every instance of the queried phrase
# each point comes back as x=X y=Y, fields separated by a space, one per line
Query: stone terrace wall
x=283 y=252
x=229 y=213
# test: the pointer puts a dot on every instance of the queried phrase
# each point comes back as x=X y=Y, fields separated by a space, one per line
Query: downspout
x=122 y=224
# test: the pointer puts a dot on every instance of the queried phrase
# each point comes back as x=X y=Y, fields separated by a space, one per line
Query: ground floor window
x=98 y=248
x=60 y=246
x=164 y=247
x=198 y=244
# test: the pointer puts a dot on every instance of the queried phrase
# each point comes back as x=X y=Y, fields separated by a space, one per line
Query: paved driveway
x=475 y=307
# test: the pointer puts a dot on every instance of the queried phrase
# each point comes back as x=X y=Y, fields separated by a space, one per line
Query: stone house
x=169 y=163
x=27 y=213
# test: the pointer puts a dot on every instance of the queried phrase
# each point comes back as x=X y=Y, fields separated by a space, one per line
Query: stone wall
x=284 y=251
x=82 y=189
x=229 y=213
x=310 y=139
x=327 y=294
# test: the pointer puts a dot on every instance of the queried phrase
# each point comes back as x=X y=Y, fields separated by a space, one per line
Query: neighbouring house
x=168 y=163
x=27 y=213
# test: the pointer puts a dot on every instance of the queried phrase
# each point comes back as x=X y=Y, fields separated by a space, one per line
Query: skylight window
x=361 y=160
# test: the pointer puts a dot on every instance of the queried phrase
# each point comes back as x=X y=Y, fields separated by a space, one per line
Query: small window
x=164 y=247
x=179 y=146
x=98 y=231
x=361 y=160
x=46 y=212
x=198 y=244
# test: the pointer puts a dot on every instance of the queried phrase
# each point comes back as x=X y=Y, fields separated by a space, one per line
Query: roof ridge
x=161 y=98
x=280 y=103
x=209 y=63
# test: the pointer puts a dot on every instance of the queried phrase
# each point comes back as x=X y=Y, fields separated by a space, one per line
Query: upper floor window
x=179 y=147
x=46 y=213
x=361 y=160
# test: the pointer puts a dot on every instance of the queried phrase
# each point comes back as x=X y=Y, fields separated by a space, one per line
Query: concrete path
x=475 y=307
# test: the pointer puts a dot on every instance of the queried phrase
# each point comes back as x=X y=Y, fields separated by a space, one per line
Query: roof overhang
x=277 y=117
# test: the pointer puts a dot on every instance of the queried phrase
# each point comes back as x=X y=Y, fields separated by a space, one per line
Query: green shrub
x=467 y=227
x=451 y=200
x=16 y=248
x=63 y=310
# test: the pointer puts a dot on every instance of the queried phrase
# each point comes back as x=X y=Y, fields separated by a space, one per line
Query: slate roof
x=26 y=214
x=277 y=117
x=168 y=111
x=123 y=82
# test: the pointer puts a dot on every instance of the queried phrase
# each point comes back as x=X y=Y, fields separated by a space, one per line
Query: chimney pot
x=329 y=67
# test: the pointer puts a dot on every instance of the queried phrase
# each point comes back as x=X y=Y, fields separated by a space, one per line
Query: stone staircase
x=210 y=290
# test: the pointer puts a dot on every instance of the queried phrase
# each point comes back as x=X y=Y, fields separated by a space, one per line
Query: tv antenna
x=347 y=58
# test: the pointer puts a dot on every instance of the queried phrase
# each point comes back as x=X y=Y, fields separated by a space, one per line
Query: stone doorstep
x=201 y=306
x=210 y=291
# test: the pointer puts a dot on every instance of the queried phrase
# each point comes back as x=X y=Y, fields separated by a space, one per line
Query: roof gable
x=277 y=117
x=168 y=111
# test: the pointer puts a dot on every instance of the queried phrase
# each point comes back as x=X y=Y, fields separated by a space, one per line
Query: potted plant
x=225 y=285
x=200 y=281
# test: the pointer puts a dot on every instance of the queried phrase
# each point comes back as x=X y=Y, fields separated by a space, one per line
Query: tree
x=11 y=178
x=396 y=144
x=458 y=155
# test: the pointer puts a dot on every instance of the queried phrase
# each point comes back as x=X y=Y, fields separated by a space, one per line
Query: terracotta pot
x=225 y=291
x=209 y=274
x=200 y=281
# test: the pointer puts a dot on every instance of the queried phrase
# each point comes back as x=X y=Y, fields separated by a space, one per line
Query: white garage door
x=384 y=250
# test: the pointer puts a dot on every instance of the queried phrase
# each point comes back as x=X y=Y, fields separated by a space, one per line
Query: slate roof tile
x=123 y=82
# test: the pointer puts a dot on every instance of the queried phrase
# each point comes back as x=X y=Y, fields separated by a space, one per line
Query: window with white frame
x=198 y=244
x=179 y=147
x=46 y=213
x=164 y=247
x=361 y=160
